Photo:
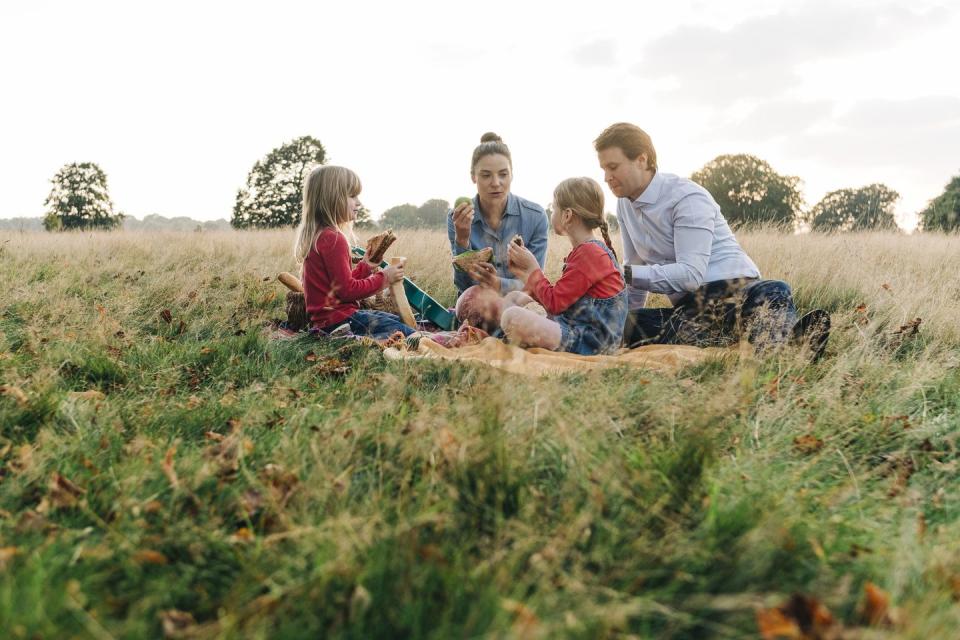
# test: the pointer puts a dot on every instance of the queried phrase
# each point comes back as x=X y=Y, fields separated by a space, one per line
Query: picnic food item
x=517 y=240
x=290 y=281
x=400 y=297
x=468 y=258
x=377 y=245
x=462 y=200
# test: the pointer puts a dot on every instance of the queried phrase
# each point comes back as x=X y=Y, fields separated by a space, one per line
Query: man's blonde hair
x=584 y=197
x=325 y=193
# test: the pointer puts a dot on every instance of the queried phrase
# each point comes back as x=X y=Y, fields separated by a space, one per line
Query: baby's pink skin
x=481 y=307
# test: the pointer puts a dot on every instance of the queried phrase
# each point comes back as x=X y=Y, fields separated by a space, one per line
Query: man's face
x=626 y=178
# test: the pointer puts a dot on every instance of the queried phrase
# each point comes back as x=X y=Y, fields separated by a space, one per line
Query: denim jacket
x=521 y=217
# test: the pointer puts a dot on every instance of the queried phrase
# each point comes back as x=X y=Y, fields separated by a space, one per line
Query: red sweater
x=587 y=271
x=331 y=289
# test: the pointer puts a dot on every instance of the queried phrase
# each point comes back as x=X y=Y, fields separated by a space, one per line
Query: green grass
x=268 y=494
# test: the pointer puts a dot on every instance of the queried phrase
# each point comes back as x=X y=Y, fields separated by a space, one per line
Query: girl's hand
x=462 y=220
x=522 y=262
x=485 y=274
x=393 y=274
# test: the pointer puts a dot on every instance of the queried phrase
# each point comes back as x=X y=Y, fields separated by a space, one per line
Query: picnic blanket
x=539 y=362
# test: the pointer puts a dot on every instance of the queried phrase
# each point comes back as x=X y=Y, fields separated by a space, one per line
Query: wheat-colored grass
x=311 y=489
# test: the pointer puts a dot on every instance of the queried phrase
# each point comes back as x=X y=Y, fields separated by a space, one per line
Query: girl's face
x=492 y=176
x=557 y=219
x=353 y=206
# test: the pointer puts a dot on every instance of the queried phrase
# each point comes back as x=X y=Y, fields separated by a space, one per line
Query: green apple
x=462 y=200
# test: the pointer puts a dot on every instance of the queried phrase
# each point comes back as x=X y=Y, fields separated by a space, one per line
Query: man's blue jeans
x=718 y=314
x=376 y=324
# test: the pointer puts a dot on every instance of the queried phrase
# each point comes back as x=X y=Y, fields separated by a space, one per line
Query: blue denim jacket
x=522 y=217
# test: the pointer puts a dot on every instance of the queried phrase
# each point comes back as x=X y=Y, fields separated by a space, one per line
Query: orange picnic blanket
x=538 y=362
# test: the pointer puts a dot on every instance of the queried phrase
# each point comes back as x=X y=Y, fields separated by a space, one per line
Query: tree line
x=748 y=190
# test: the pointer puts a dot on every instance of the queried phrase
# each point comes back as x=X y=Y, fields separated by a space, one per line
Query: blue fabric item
x=521 y=217
x=718 y=314
x=376 y=324
x=593 y=325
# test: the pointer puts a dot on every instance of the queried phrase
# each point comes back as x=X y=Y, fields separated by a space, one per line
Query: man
x=677 y=242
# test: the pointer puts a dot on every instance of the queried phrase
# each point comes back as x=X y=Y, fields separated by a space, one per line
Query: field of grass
x=166 y=469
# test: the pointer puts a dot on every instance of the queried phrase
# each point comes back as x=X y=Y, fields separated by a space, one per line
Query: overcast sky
x=177 y=100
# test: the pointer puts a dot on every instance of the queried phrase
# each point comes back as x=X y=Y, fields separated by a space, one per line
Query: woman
x=493 y=218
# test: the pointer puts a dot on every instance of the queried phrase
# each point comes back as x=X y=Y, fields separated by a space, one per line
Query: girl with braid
x=587 y=306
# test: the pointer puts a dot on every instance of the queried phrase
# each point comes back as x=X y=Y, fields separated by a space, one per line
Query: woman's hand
x=486 y=275
x=462 y=220
x=522 y=262
x=393 y=273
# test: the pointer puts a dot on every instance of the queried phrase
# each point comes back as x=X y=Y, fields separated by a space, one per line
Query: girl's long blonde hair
x=584 y=197
x=325 y=193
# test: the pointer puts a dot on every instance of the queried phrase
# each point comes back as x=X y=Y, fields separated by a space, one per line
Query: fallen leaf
x=526 y=621
x=807 y=444
x=310 y=357
x=61 y=493
x=243 y=534
x=149 y=556
x=14 y=392
x=876 y=606
x=6 y=555
x=176 y=623
x=861 y=308
x=166 y=316
x=886 y=287
x=168 y=469
x=773 y=625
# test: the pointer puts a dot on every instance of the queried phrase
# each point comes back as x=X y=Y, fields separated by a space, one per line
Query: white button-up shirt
x=675 y=239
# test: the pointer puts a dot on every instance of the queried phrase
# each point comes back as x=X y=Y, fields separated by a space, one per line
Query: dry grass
x=191 y=470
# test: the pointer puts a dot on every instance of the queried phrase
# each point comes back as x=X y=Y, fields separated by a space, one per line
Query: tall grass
x=166 y=468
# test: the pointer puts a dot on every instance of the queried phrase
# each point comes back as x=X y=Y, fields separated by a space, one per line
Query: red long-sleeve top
x=587 y=271
x=330 y=287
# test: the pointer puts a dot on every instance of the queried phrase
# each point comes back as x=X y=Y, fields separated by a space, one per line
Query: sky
x=177 y=100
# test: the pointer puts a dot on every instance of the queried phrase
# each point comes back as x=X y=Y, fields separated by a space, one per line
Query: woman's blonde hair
x=584 y=197
x=325 y=193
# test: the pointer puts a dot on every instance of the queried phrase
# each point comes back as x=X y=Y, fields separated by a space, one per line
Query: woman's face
x=492 y=176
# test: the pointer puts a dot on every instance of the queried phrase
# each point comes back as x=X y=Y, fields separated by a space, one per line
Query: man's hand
x=485 y=274
x=522 y=262
x=462 y=220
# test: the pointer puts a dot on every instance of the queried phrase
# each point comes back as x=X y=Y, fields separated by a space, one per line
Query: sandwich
x=377 y=246
x=467 y=259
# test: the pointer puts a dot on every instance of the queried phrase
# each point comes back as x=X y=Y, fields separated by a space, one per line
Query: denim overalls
x=592 y=326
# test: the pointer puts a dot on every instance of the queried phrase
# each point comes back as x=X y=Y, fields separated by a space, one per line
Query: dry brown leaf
x=166 y=316
x=448 y=444
x=243 y=534
x=14 y=392
x=876 y=605
x=61 y=493
x=149 y=556
x=176 y=624
x=6 y=555
x=807 y=443
x=526 y=622
x=168 y=469
x=774 y=625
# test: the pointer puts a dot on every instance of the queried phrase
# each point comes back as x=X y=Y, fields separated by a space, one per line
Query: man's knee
x=768 y=292
x=510 y=318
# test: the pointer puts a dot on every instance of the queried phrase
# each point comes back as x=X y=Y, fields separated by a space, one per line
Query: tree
x=273 y=194
x=79 y=199
x=749 y=191
x=612 y=223
x=432 y=214
x=869 y=207
x=943 y=212
x=399 y=217
x=364 y=221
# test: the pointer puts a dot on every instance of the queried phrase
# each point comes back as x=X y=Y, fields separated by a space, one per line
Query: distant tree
x=612 y=222
x=432 y=214
x=364 y=221
x=943 y=212
x=869 y=207
x=273 y=196
x=399 y=217
x=749 y=191
x=79 y=199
